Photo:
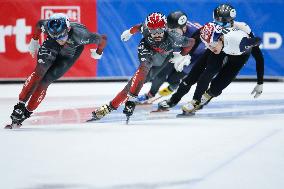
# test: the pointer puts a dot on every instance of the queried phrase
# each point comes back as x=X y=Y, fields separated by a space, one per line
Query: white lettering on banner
x=73 y=12
x=4 y=31
x=20 y=30
x=267 y=42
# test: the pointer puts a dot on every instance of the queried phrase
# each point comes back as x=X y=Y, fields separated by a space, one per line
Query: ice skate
x=101 y=112
x=191 y=107
x=19 y=114
x=129 y=109
x=185 y=114
x=163 y=106
x=166 y=91
x=205 y=99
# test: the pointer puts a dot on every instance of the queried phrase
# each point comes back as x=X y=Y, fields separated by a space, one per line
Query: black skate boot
x=129 y=109
x=165 y=105
x=19 y=114
x=101 y=112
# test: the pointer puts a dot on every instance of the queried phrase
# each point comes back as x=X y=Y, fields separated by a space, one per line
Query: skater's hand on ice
x=126 y=35
x=33 y=47
x=257 y=90
x=95 y=55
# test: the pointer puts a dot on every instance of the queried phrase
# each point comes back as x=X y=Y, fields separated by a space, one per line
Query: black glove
x=129 y=108
x=247 y=43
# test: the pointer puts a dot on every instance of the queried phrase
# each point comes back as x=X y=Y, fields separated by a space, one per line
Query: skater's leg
x=133 y=87
x=161 y=78
x=227 y=74
x=200 y=98
x=214 y=64
x=45 y=59
x=191 y=79
x=174 y=79
x=57 y=70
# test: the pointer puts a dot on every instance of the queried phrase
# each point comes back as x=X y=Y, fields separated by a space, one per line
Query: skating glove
x=180 y=61
x=126 y=35
x=95 y=55
x=257 y=90
x=33 y=47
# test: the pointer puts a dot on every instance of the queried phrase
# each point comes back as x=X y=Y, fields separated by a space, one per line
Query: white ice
x=236 y=142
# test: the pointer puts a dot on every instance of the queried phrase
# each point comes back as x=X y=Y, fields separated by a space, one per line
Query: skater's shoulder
x=78 y=26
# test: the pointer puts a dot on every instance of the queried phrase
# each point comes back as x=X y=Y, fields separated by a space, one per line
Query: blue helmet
x=57 y=26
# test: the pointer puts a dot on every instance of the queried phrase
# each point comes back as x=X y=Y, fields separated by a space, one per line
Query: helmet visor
x=56 y=28
x=157 y=31
x=223 y=24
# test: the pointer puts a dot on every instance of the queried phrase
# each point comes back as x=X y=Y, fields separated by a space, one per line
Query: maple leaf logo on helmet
x=155 y=21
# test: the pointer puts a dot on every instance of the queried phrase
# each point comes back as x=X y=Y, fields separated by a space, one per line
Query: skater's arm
x=196 y=36
x=34 y=43
x=187 y=46
x=38 y=29
x=259 y=60
x=98 y=52
x=127 y=34
x=135 y=29
x=102 y=44
x=258 y=56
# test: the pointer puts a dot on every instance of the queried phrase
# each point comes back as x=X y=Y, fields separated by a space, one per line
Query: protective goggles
x=223 y=24
x=57 y=28
x=157 y=31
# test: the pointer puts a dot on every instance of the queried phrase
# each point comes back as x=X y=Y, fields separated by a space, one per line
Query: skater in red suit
x=63 y=46
x=156 y=41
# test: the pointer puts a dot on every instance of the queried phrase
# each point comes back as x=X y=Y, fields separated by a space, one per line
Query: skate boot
x=166 y=91
x=101 y=112
x=191 y=107
x=205 y=99
x=19 y=114
x=143 y=99
x=129 y=109
x=165 y=105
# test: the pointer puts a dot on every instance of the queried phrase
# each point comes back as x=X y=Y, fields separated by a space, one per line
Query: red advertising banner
x=17 y=21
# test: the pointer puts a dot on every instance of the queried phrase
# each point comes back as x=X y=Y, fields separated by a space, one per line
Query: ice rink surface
x=236 y=142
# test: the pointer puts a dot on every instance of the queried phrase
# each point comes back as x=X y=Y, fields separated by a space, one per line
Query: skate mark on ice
x=242 y=152
x=214 y=110
x=158 y=185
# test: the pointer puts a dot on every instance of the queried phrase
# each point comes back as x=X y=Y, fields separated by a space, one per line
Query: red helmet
x=155 y=21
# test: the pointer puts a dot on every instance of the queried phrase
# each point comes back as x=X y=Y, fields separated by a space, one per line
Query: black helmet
x=176 y=19
x=224 y=13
